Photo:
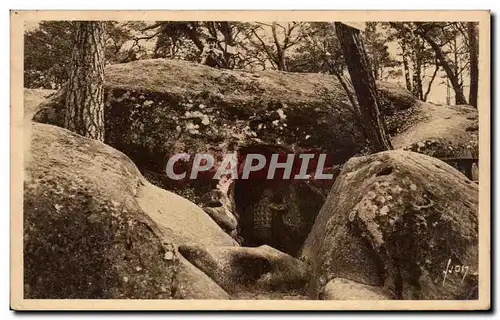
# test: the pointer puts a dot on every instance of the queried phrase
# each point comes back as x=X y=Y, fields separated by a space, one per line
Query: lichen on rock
x=94 y=228
x=156 y=108
x=406 y=216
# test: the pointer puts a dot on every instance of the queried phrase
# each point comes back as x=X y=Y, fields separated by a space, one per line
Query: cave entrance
x=280 y=215
x=276 y=212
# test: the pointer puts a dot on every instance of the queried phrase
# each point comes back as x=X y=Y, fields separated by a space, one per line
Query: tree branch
x=432 y=80
x=279 y=25
x=264 y=46
x=275 y=37
x=264 y=24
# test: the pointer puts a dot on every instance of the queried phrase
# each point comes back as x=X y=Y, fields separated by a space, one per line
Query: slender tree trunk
x=406 y=67
x=190 y=29
x=85 y=93
x=227 y=32
x=416 y=81
x=474 y=69
x=281 y=62
x=280 y=51
x=346 y=89
x=375 y=69
x=445 y=63
x=355 y=106
x=417 y=70
x=364 y=85
x=456 y=66
x=420 y=48
x=448 y=93
x=431 y=81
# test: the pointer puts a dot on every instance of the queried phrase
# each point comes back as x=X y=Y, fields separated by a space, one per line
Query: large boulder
x=400 y=221
x=398 y=107
x=395 y=96
x=450 y=133
x=442 y=131
x=95 y=228
x=155 y=108
x=344 y=289
x=193 y=283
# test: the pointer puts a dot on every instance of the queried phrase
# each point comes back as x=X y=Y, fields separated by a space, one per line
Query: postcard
x=250 y=160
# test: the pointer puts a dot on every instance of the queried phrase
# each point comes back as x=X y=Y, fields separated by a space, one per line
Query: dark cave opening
x=280 y=215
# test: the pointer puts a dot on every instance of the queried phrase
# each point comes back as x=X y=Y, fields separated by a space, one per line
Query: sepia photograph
x=250 y=161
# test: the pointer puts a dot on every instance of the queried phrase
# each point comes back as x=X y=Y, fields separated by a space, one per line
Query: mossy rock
x=155 y=108
x=94 y=228
x=398 y=217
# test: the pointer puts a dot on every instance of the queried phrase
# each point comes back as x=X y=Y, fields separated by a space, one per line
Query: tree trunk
x=346 y=89
x=455 y=65
x=355 y=106
x=227 y=32
x=281 y=62
x=406 y=67
x=280 y=51
x=448 y=94
x=364 y=85
x=445 y=63
x=85 y=92
x=375 y=68
x=190 y=30
x=431 y=81
x=417 y=74
x=474 y=69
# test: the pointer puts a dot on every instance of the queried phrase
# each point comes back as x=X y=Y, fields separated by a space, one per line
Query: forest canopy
x=435 y=61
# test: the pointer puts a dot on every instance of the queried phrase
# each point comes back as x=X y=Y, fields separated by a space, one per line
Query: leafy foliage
x=397 y=50
x=47 y=52
x=378 y=51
